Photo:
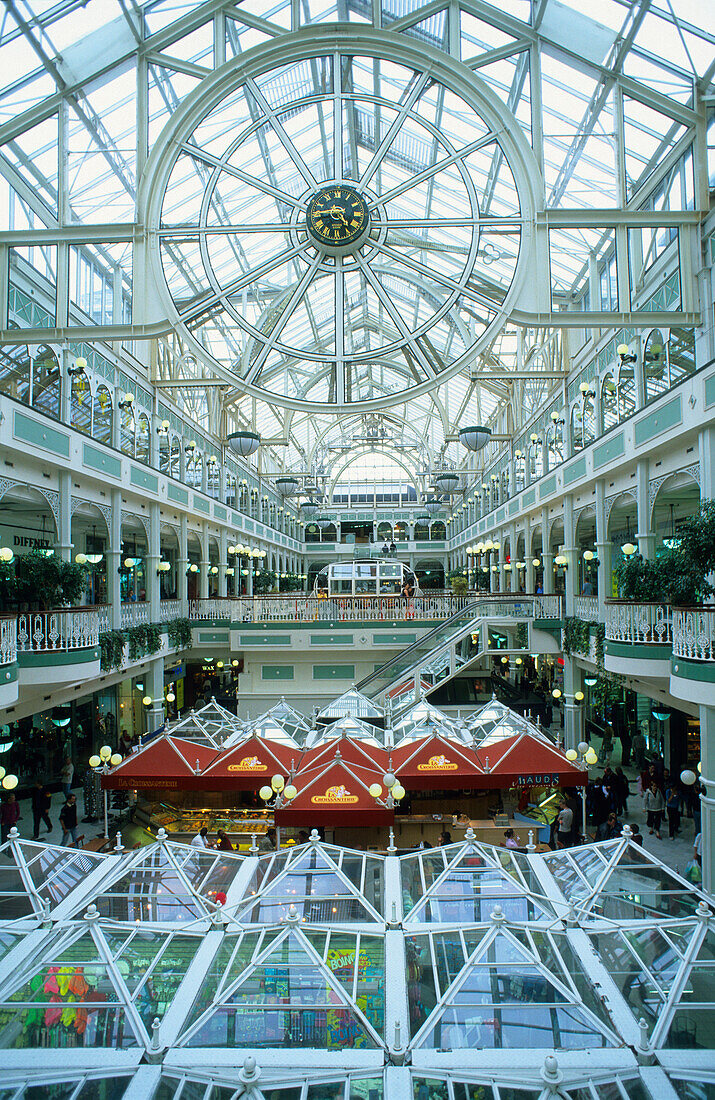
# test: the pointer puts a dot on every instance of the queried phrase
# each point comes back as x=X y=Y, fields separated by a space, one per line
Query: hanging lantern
x=308 y=508
x=287 y=486
x=432 y=505
x=447 y=483
x=323 y=522
x=474 y=437
x=244 y=443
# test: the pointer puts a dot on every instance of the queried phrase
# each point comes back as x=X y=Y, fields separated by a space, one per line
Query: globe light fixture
x=375 y=790
x=81 y=559
x=579 y=696
x=277 y=783
x=398 y=792
x=628 y=549
x=170 y=697
x=591 y=757
x=9 y=782
x=536 y=562
x=147 y=700
x=6 y=554
x=556 y=693
x=244 y=443
x=687 y=776
x=588 y=555
x=115 y=759
x=266 y=793
x=571 y=755
x=474 y=437
x=290 y=792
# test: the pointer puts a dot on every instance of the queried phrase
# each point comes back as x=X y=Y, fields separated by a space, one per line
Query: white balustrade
x=587 y=609
x=299 y=608
x=49 y=631
x=694 y=633
x=639 y=623
x=168 y=610
x=104 y=618
x=134 y=614
x=8 y=641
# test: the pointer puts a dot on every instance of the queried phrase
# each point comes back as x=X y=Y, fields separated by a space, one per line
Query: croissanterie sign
x=248 y=764
x=437 y=764
x=335 y=796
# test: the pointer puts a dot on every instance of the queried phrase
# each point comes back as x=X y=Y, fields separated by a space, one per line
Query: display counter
x=183 y=824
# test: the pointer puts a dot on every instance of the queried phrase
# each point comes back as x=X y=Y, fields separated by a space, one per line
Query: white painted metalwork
x=134 y=614
x=8 y=640
x=48 y=631
x=587 y=609
x=639 y=623
x=694 y=633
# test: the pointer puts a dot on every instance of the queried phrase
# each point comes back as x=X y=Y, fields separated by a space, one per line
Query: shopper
x=67 y=775
x=564 y=825
x=654 y=804
x=9 y=815
x=622 y=790
x=636 y=835
x=201 y=839
x=511 y=841
x=445 y=837
x=68 y=820
x=610 y=829
x=223 y=843
x=41 y=799
x=268 y=842
x=672 y=809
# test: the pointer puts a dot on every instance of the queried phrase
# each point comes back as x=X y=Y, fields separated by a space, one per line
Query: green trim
x=613 y=448
x=331 y=639
x=528 y=498
x=144 y=480
x=395 y=639
x=659 y=421
x=547 y=487
x=265 y=639
x=703 y=671
x=175 y=492
x=710 y=387
x=40 y=434
x=214 y=636
x=202 y=505
x=8 y=674
x=96 y=460
x=637 y=651
x=277 y=672
x=333 y=672
x=575 y=470
x=219 y=512
x=85 y=655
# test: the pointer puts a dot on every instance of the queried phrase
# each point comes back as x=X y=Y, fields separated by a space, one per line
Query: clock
x=337 y=217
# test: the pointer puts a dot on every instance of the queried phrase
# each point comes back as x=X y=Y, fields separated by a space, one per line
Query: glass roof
x=438 y=172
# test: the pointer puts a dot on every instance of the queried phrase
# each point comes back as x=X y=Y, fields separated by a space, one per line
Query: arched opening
x=609 y=402
x=91 y=538
x=133 y=564
x=103 y=416
x=622 y=527
x=81 y=404
x=142 y=438
x=430 y=574
x=677 y=498
x=587 y=580
x=46 y=382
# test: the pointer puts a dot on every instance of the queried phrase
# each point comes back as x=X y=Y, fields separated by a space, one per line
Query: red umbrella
x=249 y=765
x=525 y=760
x=435 y=762
x=165 y=762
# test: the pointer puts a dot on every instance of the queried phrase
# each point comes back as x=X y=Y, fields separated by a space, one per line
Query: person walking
x=201 y=839
x=67 y=775
x=564 y=824
x=672 y=809
x=41 y=799
x=68 y=820
x=654 y=804
x=9 y=815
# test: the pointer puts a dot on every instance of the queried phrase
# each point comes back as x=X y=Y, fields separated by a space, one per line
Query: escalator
x=425 y=651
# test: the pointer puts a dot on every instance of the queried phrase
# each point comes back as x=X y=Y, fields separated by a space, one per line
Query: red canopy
x=249 y=765
x=351 y=750
x=165 y=762
x=526 y=760
x=437 y=763
x=336 y=793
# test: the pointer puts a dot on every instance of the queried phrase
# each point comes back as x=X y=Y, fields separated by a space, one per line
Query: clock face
x=337 y=216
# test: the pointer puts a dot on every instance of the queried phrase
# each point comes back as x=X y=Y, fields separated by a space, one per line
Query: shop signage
x=334 y=796
x=548 y=779
x=437 y=764
x=127 y=783
x=33 y=544
x=248 y=764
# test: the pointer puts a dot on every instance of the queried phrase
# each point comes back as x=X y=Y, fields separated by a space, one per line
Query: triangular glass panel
x=56 y=871
x=638 y=886
x=288 y=1000
x=471 y=889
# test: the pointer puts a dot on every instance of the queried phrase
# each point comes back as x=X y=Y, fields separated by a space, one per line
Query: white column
x=182 y=565
x=152 y=563
x=547 y=558
x=571 y=554
x=154 y=685
x=205 y=563
x=64 y=522
x=707 y=799
x=222 y=561
x=645 y=537
x=603 y=551
x=114 y=561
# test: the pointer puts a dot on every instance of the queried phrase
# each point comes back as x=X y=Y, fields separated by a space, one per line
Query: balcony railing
x=587 y=609
x=694 y=633
x=272 y=609
x=639 y=623
x=8 y=641
x=168 y=610
x=54 y=631
x=134 y=614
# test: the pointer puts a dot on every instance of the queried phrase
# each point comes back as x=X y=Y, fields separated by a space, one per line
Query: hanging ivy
x=143 y=639
x=600 y=639
x=179 y=633
x=111 y=647
x=576 y=637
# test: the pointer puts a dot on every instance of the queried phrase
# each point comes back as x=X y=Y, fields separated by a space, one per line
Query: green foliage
x=263 y=582
x=143 y=639
x=179 y=633
x=40 y=583
x=111 y=646
x=606 y=691
x=576 y=637
x=292 y=582
x=522 y=635
x=679 y=574
x=457 y=581
x=600 y=640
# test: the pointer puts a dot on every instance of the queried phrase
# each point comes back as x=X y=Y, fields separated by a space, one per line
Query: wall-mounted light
x=126 y=402
x=625 y=354
x=588 y=555
x=129 y=563
x=81 y=559
x=561 y=560
x=536 y=562
x=163 y=567
x=163 y=428
x=190 y=447
x=6 y=554
x=629 y=549
x=585 y=390
x=80 y=366
x=193 y=568
x=556 y=418
x=579 y=696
